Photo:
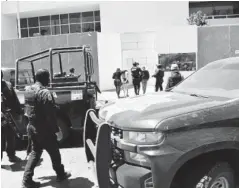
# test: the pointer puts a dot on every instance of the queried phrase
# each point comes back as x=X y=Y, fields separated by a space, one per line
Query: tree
x=197 y=19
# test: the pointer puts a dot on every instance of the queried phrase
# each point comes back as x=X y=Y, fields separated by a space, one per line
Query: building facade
x=126 y=31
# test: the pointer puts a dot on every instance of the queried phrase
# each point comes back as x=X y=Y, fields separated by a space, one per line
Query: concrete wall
x=216 y=43
x=109 y=57
x=9 y=27
x=223 y=21
x=13 y=49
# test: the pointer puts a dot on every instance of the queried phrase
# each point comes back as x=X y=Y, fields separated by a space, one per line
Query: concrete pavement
x=73 y=159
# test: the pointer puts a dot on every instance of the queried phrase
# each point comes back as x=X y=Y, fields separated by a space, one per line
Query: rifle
x=6 y=117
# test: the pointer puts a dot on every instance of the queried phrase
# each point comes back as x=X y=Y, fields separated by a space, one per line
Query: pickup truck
x=186 y=137
x=72 y=96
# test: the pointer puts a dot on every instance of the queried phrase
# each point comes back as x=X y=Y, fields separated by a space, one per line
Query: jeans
x=8 y=141
x=38 y=143
x=144 y=85
x=136 y=83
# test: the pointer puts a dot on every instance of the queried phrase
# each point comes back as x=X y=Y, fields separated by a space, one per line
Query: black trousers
x=117 y=84
x=8 y=141
x=136 y=83
x=38 y=143
x=158 y=85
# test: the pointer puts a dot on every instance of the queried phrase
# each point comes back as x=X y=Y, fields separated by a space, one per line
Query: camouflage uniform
x=40 y=110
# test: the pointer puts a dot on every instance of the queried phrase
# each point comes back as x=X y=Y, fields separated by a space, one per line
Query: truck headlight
x=143 y=138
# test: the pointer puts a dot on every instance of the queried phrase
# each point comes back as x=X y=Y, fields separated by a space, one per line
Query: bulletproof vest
x=135 y=72
x=31 y=101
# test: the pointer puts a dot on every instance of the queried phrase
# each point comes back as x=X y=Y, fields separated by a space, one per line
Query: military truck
x=72 y=96
x=186 y=137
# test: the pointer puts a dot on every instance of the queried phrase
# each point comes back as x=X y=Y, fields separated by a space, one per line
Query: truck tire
x=64 y=132
x=220 y=175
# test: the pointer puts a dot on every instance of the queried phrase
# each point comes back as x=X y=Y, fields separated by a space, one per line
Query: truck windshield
x=216 y=79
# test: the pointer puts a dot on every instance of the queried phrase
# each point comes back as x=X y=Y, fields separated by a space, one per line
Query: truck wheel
x=220 y=176
x=64 y=130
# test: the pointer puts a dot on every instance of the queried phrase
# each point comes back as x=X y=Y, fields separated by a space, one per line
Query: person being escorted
x=11 y=105
x=117 y=81
x=159 y=75
x=175 y=77
x=144 y=77
x=42 y=129
x=125 y=82
x=136 y=76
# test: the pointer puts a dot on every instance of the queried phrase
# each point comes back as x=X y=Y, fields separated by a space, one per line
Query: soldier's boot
x=14 y=159
x=31 y=184
x=62 y=177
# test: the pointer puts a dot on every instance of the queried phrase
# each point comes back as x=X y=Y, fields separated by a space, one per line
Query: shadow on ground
x=18 y=166
x=71 y=183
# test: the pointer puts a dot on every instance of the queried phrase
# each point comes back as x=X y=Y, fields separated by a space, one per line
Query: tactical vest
x=31 y=102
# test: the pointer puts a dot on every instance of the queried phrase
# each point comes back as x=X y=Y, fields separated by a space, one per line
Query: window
x=44 y=20
x=32 y=31
x=55 y=20
x=87 y=27
x=55 y=30
x=75 y=28
x=75 y=18
x=97 y=27
x=87 y=17
x=24 y=33
x=23 y=23
x=64 y=29
x=45 y=30
x=97 y=15
x=64 y=18
x=77 y=22
x=33 y=22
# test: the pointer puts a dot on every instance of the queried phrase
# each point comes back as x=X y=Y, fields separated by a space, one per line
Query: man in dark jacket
x=42 y=128
x=175 y=77
x=145 y=77
x=159 y=74
x=117 y=81
x=136 y=76
x=8 y=135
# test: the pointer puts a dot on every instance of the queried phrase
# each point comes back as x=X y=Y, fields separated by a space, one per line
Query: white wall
x=222 y=21
x=8 y=27
x=109 y=58
x=135 y=16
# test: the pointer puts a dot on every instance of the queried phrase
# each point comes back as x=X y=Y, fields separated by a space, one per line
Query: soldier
x=42 y=129
x=12 y=105
x=136 y=75
x=159 y=74
x=175 y=77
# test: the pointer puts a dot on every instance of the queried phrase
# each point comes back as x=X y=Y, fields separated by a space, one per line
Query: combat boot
x=63 y=177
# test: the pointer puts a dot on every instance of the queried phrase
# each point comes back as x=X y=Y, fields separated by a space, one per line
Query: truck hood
x=152 y=111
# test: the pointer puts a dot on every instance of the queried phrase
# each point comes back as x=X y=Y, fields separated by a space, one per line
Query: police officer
x=8 y=135
x=42 y=128
x=175 y=77
x=117 y=81
x=159 y=74
x=136 y=76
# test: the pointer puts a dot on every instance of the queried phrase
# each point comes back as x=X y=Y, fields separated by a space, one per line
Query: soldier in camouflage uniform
x=42 y=128
x=11 y=106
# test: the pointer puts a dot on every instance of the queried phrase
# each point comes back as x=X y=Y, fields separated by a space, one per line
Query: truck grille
x=117 y=154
